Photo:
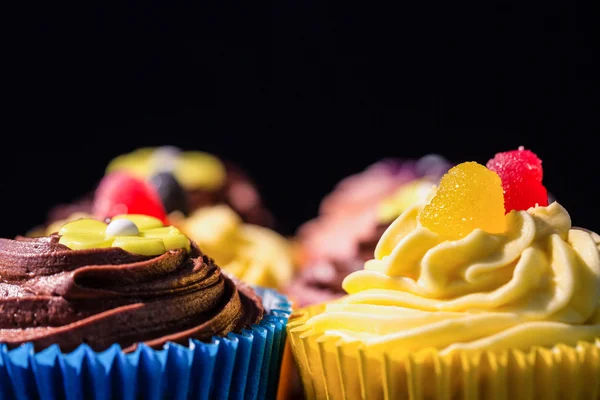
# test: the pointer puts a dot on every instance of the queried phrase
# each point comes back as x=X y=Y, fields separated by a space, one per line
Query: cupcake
x=255 y=254
x=484 y=291
x=352 y=218
x=129 y=309
x=184 y=181
x=205 y=179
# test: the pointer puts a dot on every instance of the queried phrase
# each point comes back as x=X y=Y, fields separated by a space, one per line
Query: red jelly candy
x=521 y=174
x=121 y=193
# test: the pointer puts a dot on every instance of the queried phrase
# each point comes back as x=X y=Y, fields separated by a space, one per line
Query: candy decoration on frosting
x=171 y=193
x=186 y=180
x=136 y=163
x=122 y=227
x=122 y=193
x=139 y=234
x=469 y=197
x=163 y=159
x=192 y=169
x=521 y=174
x=196 y=169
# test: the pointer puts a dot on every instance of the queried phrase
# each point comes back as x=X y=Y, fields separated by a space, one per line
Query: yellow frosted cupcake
x=483 y=292
x=255 y=254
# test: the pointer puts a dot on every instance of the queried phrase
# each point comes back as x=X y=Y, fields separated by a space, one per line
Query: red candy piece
x=121 y=193
x=521 y=174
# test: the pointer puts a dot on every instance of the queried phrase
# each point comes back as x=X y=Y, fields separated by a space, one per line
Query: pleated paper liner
x=239 y=366
x=333 y=370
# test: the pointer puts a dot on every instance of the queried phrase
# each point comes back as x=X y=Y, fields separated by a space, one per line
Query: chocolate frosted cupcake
x=129 y=308
x=351 y=220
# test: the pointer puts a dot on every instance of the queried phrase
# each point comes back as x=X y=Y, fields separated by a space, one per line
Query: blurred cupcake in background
x=255 y=254
x=205 y=179
x=351 y=220
x=184 y=180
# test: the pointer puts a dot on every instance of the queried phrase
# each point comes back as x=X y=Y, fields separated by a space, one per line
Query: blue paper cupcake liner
x=238 y=366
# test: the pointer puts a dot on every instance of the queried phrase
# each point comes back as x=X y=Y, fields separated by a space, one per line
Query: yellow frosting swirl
x=255 y=254
x=536 y=284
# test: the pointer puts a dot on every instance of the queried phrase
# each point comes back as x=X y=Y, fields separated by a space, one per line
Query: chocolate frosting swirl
x=52 y=294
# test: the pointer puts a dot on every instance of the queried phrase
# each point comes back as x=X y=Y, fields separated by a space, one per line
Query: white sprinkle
x=164 y=159
x=122 y=227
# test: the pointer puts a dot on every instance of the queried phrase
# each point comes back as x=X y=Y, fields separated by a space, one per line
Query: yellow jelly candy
x=470 y=196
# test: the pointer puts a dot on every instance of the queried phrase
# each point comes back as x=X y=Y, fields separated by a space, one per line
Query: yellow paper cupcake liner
x=331 y=369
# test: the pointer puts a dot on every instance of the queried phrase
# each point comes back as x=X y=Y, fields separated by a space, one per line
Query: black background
x=300 y=93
